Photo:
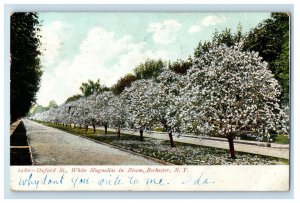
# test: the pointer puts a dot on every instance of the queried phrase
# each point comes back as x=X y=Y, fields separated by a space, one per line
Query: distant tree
x=271 y=39
x=122 y=83
x=73 y=98
x=149 y=69
x=25 y=69
x=36 y=108
x=181 y=66
x=91 y=87
x=52 y=104
x=223 y=37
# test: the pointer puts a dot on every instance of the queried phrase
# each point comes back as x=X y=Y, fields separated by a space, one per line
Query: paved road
x=280 y=151
x=54 y=147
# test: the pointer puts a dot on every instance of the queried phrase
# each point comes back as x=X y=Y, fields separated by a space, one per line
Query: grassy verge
x=282 y=139
x=182 y=154
x=278 y=139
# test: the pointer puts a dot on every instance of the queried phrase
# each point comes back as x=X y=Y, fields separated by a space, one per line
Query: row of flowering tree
x=226 y=93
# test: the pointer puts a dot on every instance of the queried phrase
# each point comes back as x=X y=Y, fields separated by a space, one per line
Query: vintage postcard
x=149 y=101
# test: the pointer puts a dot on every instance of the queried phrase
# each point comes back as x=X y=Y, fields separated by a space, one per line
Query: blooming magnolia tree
x=91 y=116
x=167 y=104
x=139 y=103
x=101 y=108
x=155 y=102
x=76 y=111
x=82 y=110
x=61 y=114
x=231 y=92
x=118 y=113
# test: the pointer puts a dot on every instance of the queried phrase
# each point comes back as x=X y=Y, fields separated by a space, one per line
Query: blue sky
x=78 y=46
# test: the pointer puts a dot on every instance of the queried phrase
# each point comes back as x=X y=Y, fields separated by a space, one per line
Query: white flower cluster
x=231 y=91
x=226 y=91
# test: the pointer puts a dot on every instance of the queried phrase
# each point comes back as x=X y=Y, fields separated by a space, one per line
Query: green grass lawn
x=281 y=139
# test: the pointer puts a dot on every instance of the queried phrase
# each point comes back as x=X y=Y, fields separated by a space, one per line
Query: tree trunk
x=94 y=128
x=119 y=132
x=141 y=134
x=171 y=139
x=86 y=128
x=80 y=126
x=231 y=146
x=105 y=128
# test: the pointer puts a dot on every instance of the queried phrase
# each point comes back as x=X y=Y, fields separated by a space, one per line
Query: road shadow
x=19 y=148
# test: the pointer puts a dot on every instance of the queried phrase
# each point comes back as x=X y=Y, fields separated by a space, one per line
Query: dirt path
x=54 y=147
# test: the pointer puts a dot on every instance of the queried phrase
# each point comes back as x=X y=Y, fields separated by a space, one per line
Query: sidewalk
x=276 y=150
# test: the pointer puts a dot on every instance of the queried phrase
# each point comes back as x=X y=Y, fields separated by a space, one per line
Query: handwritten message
x=140 y=178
